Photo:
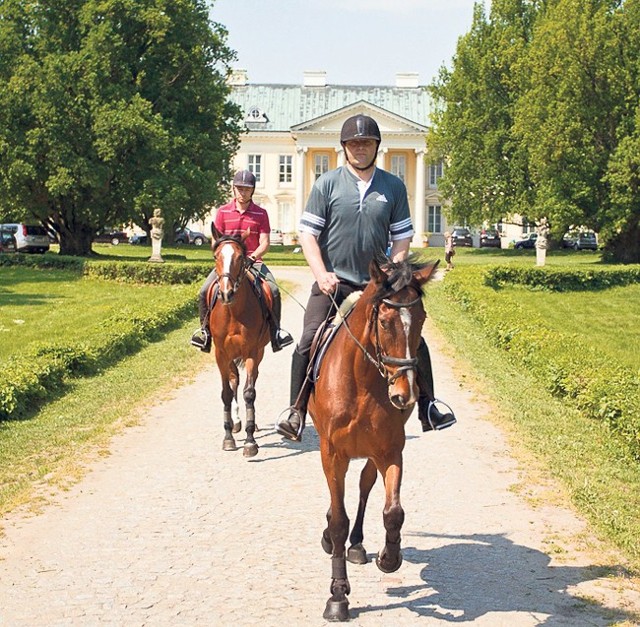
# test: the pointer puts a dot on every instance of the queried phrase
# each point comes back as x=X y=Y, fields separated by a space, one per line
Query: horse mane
x=398 y=276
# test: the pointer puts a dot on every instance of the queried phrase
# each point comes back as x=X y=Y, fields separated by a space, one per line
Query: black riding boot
x=202 y=337
x=279 y=337
x=293 y=426
x=430 y=417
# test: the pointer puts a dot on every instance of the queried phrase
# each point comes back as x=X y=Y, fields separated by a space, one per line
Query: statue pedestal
x=156 y=245
x=541 y=254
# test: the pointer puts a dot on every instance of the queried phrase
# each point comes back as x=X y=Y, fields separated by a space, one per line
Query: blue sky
x=357 y=42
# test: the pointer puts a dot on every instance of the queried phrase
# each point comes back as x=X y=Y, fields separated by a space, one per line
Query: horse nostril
x=398 y=400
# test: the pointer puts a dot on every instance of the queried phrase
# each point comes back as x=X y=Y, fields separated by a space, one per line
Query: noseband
x=235 y=281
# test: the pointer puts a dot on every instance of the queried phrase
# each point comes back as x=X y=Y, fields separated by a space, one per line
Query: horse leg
x=249 y=394
x=337 y=608
x=390 y=558
x=229 y=443
x=234 y=378
x=356 y=553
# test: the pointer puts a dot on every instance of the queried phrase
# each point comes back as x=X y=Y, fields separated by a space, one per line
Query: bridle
x=246 y=262
x=381 y=360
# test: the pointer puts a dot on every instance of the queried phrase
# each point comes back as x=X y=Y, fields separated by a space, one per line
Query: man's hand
x=328 y=282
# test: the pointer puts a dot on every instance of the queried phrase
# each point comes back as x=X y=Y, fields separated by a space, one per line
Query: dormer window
x=256 y=115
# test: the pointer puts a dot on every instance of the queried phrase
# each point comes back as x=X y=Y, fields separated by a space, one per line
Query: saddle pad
x=326 y=335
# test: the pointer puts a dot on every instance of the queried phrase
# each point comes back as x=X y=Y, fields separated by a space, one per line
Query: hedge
x=31 y=378
x=600 y=390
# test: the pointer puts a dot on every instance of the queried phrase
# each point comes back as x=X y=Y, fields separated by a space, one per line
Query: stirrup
x=438 y=426
x=286 y=429
x=281 y=339
x=202 y=340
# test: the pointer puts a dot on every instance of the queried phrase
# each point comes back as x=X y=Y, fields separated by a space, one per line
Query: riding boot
x=279 y=337
x=293 y=426
x=430 y=416
x=202 y=336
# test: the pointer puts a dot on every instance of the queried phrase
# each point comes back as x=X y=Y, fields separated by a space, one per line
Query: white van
x=30 y=238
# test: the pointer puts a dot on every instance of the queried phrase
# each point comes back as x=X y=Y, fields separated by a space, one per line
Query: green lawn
x=50 y=305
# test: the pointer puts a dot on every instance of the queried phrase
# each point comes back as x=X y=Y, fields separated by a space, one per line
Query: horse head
x=397 y=317
x=231 y=262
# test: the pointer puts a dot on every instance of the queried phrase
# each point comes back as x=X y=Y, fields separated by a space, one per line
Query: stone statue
x=542 y=241
x=157 y=233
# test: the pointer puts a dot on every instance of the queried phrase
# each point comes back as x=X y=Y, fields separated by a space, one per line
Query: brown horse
x=239 y=331
x=362 y=398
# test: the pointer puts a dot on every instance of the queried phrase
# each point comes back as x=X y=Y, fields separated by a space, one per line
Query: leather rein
x=381 y=360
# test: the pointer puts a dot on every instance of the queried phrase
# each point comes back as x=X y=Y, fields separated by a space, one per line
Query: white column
x=380 y=158
x=341 y=157
x=300 y=166
x=418 y=208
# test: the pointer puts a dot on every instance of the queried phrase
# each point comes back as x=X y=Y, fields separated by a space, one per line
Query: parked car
x=527 y=241
x=490 y=238
x=29 y=238
x=110 y=236
x=585 y=240
x=461 y=237
x=139 y=239
x=187 y=236
x=7 y=242
x=276 y=238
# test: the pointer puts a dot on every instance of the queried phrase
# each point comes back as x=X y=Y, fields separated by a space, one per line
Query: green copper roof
x=275 y=107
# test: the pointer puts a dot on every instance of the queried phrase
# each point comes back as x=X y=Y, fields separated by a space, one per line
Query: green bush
x=31 y=378
x=584 y=376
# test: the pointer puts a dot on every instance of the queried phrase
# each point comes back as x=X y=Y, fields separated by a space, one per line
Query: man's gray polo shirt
x=351 y=234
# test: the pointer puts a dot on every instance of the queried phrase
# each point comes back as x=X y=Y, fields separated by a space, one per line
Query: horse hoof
x=357 y=555
x=250 y=450
x=327 y=545
x=236 y=426
x=383 y=564
x=229 y=445
x=336 y=611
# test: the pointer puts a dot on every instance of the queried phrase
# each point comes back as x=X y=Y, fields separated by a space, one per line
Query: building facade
x=293 y=137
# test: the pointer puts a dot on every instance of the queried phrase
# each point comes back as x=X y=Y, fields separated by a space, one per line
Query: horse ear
x=376 y=272
x=214 y=232
x=424 y=274
x=245 y=235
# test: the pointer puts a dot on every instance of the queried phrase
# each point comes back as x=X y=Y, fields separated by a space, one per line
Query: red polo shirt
x=230 y=221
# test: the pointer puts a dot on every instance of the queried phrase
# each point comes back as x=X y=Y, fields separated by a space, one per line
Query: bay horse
x=239 y=332
x=363 y=395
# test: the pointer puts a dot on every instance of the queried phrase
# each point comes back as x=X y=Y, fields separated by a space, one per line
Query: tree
x=110 y=108
x=487 y=171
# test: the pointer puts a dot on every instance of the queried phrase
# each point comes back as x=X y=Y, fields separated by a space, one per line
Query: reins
x=380 y=359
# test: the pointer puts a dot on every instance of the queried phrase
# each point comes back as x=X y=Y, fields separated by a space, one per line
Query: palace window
x=435 y=172
x=286 y=169
x=255 y=166
x=399 y=167
x=434 y=218
x=321 y=165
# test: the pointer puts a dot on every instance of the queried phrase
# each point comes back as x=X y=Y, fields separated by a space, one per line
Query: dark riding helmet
x=244 y=178
x=360 y=127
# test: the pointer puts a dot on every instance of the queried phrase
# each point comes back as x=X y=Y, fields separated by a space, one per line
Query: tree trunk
x=76 y=243
x=625 y=247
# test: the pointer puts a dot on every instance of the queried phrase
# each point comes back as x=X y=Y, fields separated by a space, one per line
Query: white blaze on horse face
x=405 y=316
x=226 y=253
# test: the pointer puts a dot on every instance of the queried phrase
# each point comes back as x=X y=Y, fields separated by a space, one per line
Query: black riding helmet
x=244 y=178
x=360 y=127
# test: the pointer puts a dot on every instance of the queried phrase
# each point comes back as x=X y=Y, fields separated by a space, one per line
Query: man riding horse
x=351 y=215
x=235 y=218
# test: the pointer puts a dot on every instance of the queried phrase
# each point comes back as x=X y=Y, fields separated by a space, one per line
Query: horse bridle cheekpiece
x=382 y=360
x=246 y=261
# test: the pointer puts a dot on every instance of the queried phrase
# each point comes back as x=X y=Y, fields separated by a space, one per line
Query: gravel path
x=170 y=530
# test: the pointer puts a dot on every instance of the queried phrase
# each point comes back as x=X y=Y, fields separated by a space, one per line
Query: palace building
x=293 y=137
